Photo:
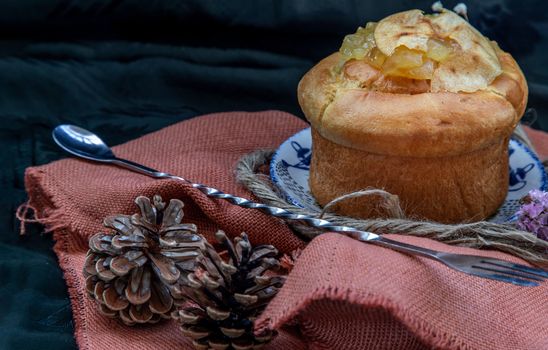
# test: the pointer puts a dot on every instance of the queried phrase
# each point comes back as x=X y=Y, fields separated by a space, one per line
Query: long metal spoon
x=85 y=144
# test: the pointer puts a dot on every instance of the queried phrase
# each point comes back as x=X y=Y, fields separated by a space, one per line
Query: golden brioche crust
x=361 y=108
x=511 y=83
x=462 y=188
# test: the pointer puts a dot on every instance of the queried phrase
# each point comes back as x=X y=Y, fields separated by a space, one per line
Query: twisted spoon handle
x=281 y=213
x=246 y=203
x=363 y=236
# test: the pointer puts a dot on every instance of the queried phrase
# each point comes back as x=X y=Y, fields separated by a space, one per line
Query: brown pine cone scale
x=226 y=295
x=130 y=271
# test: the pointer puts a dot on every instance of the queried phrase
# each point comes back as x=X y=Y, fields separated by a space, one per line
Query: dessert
x=421 y=106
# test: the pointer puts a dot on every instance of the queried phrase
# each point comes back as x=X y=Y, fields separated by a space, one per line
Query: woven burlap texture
x=342 y=294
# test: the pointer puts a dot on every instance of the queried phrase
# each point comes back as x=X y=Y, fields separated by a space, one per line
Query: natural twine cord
x=390 y=203
x=503 y=237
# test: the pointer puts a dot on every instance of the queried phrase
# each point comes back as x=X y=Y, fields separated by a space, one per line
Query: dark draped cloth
x=126 y=68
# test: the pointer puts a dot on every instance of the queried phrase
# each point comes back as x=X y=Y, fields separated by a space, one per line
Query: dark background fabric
x=126 y=68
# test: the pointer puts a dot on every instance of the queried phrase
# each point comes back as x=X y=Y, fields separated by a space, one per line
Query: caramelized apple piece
x=359 y=44
x=438 y=50
x=426 y=71
x=408 y=29
x=376 y=58
x=403 y=59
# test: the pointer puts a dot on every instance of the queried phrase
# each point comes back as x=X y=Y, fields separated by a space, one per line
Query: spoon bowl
x=85 y=144
x=82 y=143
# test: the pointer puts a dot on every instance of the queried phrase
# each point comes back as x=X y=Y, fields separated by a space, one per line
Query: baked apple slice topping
x=442 y=48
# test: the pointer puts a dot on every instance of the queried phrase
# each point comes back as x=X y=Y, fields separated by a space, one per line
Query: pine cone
x=129 y=271
x=228 y=294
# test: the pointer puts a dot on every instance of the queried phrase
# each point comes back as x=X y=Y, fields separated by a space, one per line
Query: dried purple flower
x=533 y=214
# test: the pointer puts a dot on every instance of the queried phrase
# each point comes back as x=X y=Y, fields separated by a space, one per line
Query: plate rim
x=272 y=169
x=529 y=151
x=280 y=189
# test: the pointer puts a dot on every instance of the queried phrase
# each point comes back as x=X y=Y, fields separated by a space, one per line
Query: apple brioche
x=421 y=106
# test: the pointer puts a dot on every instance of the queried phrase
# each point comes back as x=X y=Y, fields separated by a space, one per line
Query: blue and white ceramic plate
x=290 y=165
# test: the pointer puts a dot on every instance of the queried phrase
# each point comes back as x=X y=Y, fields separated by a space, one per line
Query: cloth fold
x=342 y=294
x=359 y=296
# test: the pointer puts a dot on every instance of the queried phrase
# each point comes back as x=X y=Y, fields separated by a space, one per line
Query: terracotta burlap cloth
x=342 y=294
